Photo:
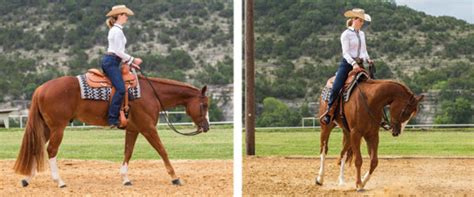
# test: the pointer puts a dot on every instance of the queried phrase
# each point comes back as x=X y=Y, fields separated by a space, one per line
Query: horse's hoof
x=177 y=182
x=62 y=186
x=360 y=190
x=24 y=183
x=318 y=183
x=128 y=183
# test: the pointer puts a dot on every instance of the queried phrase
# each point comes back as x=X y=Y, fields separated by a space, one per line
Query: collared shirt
x=117 y=42
x=353 y=45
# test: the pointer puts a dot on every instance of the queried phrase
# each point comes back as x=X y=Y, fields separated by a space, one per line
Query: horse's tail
x=32 y=150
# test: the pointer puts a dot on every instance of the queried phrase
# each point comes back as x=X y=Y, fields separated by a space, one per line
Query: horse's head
x=197 y=109
x=401 y=111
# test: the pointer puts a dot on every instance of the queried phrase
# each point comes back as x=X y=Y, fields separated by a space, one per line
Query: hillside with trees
x=185 y=40
x=298 y=49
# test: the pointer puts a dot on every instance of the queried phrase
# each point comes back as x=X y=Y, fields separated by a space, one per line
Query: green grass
x=105 y=144
x=305 y=142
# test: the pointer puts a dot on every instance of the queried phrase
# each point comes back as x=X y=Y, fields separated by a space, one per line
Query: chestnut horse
x=364 y=113
x=58 y=101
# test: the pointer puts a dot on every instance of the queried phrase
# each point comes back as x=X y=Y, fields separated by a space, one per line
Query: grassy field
x=105 y=144
x=305 y=142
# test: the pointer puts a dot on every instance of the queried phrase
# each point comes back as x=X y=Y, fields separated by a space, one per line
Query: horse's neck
x=172 y=95
x=385 y=92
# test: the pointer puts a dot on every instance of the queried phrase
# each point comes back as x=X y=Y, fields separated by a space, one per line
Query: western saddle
x=97 y=79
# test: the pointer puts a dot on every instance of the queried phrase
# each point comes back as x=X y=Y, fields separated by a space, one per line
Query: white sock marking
x=124 y=172
x=341 y=172
x=321 y=167
x=55 y=172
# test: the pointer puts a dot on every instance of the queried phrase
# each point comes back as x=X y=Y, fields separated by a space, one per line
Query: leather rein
x=165 y=113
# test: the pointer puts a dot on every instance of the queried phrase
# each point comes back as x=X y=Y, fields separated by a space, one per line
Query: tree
x=457 y=112
x=277 y=113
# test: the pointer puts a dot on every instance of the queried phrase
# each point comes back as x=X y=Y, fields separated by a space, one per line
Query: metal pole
x=249 y=79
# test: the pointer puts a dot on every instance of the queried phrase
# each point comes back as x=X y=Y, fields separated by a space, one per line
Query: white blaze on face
x=207 y=118
x=404 y=124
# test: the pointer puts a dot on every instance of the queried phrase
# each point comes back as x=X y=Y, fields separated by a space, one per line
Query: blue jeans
x=341 y=76
x=111 y=67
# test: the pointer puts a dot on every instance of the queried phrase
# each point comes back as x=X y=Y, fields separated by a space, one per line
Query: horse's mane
x=401 y=84
x=169 y=82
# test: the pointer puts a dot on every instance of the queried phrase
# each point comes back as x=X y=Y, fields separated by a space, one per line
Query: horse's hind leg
x=372 y=146
x=153 y=138
x=345 y=155
x=324 y=138
x=56 y=136
x=130 y=139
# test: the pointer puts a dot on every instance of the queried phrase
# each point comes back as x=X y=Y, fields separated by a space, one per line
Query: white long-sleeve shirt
x=353 y=45
x=117 y=42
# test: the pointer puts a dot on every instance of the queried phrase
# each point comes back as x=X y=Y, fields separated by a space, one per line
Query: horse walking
x=364 y=113
x=58 y=101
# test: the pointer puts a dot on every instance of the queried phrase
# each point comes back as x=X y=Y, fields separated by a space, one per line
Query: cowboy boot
x=326 y=117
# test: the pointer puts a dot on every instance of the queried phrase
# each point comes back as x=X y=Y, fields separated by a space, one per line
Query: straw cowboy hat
x=119 y=9
x=359 y=13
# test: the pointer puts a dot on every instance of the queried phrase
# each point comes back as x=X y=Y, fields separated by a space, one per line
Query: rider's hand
x=137 y=61
x=356 y=66
x=136 y=66
x=370 y=61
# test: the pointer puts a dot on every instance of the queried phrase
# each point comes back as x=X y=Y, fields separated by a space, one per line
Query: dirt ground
x=392 y=177
x=101 y=178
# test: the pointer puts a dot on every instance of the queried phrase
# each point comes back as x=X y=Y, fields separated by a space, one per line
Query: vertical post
x=249 y=79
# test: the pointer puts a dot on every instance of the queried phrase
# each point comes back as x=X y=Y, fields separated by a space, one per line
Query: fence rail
x=23 y=119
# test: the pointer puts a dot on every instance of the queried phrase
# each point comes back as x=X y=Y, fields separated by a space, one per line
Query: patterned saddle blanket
x=104 y=93
x=354 y=76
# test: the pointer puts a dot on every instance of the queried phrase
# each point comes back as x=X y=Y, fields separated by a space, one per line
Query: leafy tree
x=457 y=112
x=276 y=113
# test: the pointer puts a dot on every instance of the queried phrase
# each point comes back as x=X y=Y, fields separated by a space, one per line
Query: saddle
x=97 y=79
x=355 y=76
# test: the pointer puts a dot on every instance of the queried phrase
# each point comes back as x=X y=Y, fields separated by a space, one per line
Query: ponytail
x=349 y=22
x=110 y=21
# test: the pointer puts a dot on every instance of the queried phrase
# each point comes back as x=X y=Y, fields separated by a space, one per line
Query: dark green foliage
x=77 y=26
x=220 y=74
x=457 y=112
x=277 y=113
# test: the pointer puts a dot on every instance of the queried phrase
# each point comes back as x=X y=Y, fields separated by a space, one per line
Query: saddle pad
x=347 y=91
x=103 y=93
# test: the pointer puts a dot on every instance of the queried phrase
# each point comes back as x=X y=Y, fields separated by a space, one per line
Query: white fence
x=414 y=126
x=23 y=118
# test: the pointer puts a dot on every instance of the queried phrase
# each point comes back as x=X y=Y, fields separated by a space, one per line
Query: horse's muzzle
x=396 y=128
x=203 y=127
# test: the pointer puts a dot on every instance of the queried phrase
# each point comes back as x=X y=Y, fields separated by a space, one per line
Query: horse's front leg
x=346 y=155
x=152 y=137
x=372 y=146
x=130 y=139
x=355 y=144
x=324 y=139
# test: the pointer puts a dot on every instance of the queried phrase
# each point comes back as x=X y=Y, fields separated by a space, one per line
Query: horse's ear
x=203 y=90
x=419 y=98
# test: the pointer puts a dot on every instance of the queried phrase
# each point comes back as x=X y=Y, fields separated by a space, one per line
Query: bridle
x=386 y=124
x=405 y=109
x=165 y=113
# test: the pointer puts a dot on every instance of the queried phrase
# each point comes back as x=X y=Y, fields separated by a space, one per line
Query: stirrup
x=325 y=117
